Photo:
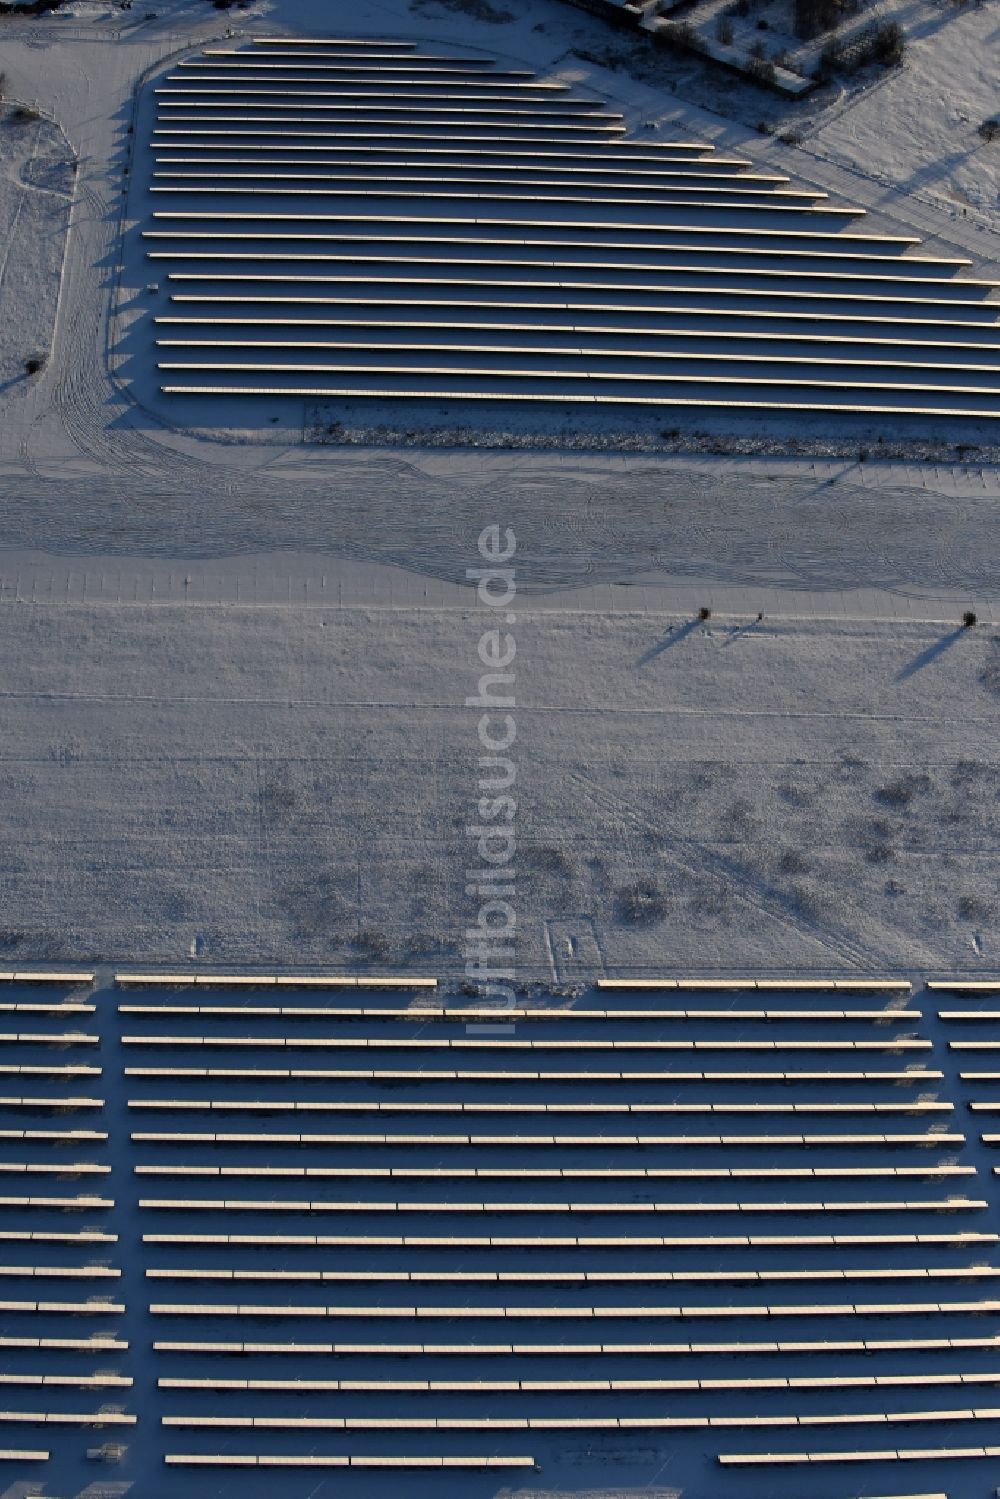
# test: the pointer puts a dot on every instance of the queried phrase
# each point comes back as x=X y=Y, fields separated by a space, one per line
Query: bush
x=888 y=44
x=550 y=860
x=761 y=71
x=989 y=130
x=900 y=793
x=830 y=61
x=969 y=619
x=641 y=904
x=33 y=365
x=24 y=114
x=810 y=17
x=790 y=138
x=372 y=944
x=679 y=36
x=884 y=44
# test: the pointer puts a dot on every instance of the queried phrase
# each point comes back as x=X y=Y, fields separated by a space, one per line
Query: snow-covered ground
x=36 y=181
x=273 y=781
x=916 y=133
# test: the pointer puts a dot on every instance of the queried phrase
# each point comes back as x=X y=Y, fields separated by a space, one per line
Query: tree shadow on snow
x=932 y=652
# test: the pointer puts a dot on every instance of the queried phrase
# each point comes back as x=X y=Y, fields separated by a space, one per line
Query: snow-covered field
x=916 y=133
x=36 y=181
x=289 y=782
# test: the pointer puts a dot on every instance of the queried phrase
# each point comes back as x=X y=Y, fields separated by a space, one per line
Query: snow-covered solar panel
x=506 y=1260
x=280 y=125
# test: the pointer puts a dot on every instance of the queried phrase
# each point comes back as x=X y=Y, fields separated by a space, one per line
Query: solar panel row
x=670 y=291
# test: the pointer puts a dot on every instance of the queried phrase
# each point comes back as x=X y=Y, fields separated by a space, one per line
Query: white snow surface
x=277 y=781
x=916 y=132
x=35 y=185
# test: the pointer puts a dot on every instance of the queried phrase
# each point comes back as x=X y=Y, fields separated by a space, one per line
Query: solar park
x=715 y=1233
x=741 y=1227
x=380 y=220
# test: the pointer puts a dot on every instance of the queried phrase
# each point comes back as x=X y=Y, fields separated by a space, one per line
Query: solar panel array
x=373 y=219
x=685 y=1233
x=61 y=1339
